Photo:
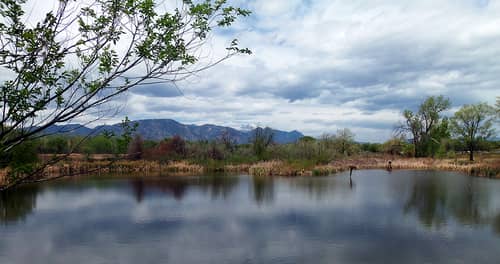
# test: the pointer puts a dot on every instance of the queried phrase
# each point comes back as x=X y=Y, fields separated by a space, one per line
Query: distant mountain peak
x=247 y=127
x=158 y=129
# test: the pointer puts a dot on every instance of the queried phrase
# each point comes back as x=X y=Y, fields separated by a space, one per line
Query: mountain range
x=158 y=129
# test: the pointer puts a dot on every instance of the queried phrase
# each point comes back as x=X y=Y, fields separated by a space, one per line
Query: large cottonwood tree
x=472 y=124
x=426 y=126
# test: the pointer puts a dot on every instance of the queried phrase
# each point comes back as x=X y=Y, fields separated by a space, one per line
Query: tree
x=128 y=130
x=439 y=135
x=228 y=141
x=213 y=152
x=422 y=125
x=473 y=124
x=81 y=55
x=136 y=148
x=394 y=146
x=21 y=159
x=261 y=139
x=56 y=144
x=177 y=146
x=344 y=141
x=306 y=147
x=100 y=144
x=497 y=108
x=371 y=147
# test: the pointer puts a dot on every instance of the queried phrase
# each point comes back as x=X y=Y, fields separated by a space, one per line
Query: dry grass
x=489 y=167
x=78 y=157
x=3 y=176
x=484 y=166
x=140 y=166
x=237 y=168
x=183 y=166
x=277 y=168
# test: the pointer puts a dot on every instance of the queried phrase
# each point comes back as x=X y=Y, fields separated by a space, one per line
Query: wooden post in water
x=351 y=168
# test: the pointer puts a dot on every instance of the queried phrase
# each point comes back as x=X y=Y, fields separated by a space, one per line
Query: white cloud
x=321 y=65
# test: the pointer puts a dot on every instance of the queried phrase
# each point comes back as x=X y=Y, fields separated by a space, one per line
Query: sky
x=322 y=65
x=319 y=66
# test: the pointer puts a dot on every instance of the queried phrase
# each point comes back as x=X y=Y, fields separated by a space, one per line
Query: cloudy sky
x=321 y=65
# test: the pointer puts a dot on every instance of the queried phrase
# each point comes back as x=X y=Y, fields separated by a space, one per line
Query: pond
x=379 y=217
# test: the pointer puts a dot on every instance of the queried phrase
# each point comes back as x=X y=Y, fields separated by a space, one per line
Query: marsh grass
x=140 y=166
x=282 y=168
x=3 y=176
x=485 y=166
x=488 y=167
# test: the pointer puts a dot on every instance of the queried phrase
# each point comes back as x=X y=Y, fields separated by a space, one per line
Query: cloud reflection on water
x=426 y=216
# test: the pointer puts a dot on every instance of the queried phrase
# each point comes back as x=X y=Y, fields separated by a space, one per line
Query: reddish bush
x=169 y=149
x=136 y=148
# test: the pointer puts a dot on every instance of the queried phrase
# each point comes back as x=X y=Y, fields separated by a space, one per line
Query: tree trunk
x=471 y=153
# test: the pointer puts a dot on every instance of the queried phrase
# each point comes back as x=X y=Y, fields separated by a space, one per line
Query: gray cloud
x=157 y=91
x=365 y=123
x=321 y=65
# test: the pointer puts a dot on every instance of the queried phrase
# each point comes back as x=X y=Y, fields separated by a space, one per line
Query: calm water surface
x=382 y=217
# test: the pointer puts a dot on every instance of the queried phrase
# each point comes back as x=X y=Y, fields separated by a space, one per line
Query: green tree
x=261 y=139
x=473 y=124
x=326 y=148
x=128 y=130
x=393 y=146
x=56 y=144
x=99 y=145
x=81 y=55
x=21 y=158
x=422 y=125
x=344 y=141
x=439 y=135
x=371 y=147
x=306 y=147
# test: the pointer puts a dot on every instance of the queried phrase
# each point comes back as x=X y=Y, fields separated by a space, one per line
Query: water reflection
x=428 y=199
x=15 y=205
x=323 y=187
x=174 y=188
x=218 y=186
x=219 y=219
x=433 y=199
x=471 y=203
x=496 y=224
x=263 y=189
x=437 y=201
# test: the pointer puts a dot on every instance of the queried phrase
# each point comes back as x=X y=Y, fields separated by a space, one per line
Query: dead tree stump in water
x=389 y=166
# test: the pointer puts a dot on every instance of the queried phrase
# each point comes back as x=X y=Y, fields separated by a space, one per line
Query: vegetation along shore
x=487 y=165
x=425 y=140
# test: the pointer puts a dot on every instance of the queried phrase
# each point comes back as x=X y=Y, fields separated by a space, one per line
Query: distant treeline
x=424 y=133
x=316 y=150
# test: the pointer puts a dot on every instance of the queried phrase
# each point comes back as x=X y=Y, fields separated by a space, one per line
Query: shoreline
x=488 y=167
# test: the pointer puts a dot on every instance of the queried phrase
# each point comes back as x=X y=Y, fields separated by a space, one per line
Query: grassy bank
x=484 y=166
x=489 y=167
